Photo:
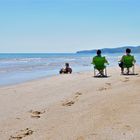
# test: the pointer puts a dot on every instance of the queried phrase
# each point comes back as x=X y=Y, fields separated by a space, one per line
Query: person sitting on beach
x=127 y=61
x=99 y=62
x=66 y=70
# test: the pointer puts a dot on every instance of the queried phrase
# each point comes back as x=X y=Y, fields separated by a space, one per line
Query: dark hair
x=99 y=52
x=128 y=50
x=67 y=64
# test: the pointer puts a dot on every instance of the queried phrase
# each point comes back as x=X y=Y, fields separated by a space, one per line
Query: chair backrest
x=128 y=61
x=99 y=62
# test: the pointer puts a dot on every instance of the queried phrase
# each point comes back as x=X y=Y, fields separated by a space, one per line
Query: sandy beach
x=72 y=107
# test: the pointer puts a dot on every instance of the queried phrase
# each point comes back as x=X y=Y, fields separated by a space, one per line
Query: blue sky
x=68 y=25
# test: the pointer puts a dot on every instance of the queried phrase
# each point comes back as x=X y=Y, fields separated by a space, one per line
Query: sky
x=68 y=25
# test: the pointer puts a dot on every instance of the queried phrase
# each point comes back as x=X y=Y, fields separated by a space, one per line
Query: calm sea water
x=18 y=68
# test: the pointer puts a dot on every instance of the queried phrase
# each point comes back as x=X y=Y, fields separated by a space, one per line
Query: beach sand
x=72 y=107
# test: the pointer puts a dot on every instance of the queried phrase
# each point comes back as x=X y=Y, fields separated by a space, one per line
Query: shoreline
x=42 y=109
x=55 y=75
x=49 y=76
x=22 y=68
x=36 y=77
x=40 y=78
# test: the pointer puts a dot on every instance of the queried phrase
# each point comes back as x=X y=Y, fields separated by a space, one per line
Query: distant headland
x=135 y=49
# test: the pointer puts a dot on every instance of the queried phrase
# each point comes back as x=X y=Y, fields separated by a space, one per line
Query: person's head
x=67 y=64
x=128 y=51
x=99 y=52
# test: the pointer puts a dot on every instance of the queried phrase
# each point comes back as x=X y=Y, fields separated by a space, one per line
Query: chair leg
x=128 y=70
x=105 y=72
x=133 y=69
x=94 y=72
x=101 y=73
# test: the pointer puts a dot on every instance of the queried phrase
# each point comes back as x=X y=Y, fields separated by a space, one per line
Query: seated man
x=99 y=62
x=127 y=61
x=66 y=70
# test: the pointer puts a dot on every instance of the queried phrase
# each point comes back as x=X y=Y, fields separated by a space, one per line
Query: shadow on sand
x=131 y=74
x=99 y=76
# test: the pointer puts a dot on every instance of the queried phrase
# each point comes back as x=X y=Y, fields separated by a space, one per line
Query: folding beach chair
x=99 y=65
x=128 y=64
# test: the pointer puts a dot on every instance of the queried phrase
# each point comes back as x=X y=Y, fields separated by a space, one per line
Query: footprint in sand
x=125 y=80
x=68 y=103
x=102 y=88
x=108 y=86
x=80 y=138
x=36 y=114
x=77 y=94
x=71 y=102
x=21 y=134
x=18 y=118
x=128 y=127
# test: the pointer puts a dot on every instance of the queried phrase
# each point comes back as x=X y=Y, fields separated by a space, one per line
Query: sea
x=17 y=68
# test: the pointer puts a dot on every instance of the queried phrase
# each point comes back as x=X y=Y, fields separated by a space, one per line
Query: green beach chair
x=99 y=64
x=128 y=62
